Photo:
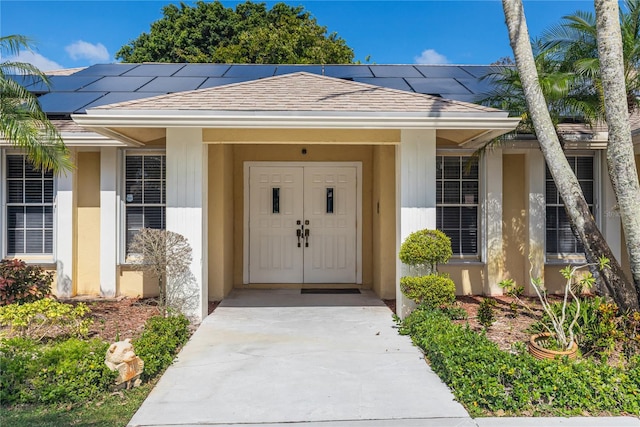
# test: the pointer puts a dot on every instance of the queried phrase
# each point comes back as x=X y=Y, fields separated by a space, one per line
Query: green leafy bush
x=45 y=318
x=59 y=372
x=433 y=290
x=489 y=381
x=159 y=343
x=486 y=312
x=20 y=283
x=426 y=248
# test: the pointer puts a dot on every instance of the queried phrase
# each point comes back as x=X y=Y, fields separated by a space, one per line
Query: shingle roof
x=300 y=91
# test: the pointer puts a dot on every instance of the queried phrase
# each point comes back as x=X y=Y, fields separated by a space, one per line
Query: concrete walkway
x=273 y=358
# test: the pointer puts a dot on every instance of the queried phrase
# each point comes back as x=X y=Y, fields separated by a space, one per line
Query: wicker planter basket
x=539 y=352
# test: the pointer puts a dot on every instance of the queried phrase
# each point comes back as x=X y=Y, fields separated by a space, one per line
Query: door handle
x=299 y=235
x=306 y=237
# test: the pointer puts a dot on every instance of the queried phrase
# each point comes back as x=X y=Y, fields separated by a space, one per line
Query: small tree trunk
x=613 y=280
x=620 y=156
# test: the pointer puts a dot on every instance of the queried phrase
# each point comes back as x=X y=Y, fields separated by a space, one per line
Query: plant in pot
x=422 y=251
x=559 y=338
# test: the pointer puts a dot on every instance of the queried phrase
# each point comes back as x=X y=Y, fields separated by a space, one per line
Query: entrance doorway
x=302 y=224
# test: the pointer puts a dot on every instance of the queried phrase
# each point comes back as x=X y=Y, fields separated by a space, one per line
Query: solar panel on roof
x=388 y=82
x=288 y=69
x=117 y=84
x=221 y=81
x=70 y=83
x=442 y=71
x=471 y=98
x=105 y=70
x=63 y=103
x=172 y=84
x=394 y=71
x=347 y=71
x=478 y=70
x=251 y=71
x=477 y=86
x=438 y=85
x=154 y=70
x=33 y=83
x=115 y=97
x=202 y=70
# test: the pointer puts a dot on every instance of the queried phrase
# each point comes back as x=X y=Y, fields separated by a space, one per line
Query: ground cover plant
x=61 y=378
x=491 y=381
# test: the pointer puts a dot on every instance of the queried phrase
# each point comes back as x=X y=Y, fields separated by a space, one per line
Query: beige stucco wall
x=87 y=239
x=383 y=206
x=221 y=221
x=514 y=222
x=134 y=283
x=469 y=277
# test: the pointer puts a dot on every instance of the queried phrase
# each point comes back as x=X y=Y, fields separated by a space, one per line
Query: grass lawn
x=113 y=410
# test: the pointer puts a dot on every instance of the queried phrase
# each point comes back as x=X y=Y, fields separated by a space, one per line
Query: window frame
x=479 y=204
x=123 y=257
x=573 y=257
x=41 y=258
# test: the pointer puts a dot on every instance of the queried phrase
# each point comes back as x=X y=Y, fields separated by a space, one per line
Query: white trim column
x=186 y=187
x=108 y=220
x=494 y=257
x=536 y=220
x=415 y=193
x=65 y=236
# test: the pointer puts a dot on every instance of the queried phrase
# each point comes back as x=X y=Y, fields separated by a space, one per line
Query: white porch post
x=611 y=226
x=186 y=183
x=535 y=185
x=494 y=257
x=108 y=221
x=416 y=194
x=64 y=232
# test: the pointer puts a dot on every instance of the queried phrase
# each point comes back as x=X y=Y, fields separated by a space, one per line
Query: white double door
x=302 y=224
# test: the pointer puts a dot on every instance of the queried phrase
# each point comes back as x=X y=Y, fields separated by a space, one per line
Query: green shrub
x=45 y=318
x=455 y=312
x=20 y=283
x=433 y=290
x=426 y=248
x=486 y=312
x=489 y=381
x=59 y=372
x=159 y=343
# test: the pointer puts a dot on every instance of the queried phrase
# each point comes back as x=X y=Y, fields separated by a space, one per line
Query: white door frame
x=248 y=165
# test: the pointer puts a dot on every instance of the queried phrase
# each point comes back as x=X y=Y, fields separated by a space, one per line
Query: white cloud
x=43 y=64
x=430 y=56
x=85 y=50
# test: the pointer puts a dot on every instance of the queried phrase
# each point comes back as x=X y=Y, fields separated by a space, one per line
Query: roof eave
x=500 y=122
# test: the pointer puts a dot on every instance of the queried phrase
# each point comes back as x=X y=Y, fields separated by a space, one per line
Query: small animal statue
x=121 y=357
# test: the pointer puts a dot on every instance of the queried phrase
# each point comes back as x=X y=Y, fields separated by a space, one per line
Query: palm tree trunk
x=613 y=280
x=620 y=156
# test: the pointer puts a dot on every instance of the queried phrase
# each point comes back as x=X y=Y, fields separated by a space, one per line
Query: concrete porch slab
x=276 y=356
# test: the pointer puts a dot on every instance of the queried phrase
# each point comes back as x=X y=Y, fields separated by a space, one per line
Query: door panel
x=324 y=200
x=275 y=196
x=330 y=208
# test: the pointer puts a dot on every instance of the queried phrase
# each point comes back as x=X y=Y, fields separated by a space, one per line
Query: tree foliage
x=210 y=32
x=22 y=121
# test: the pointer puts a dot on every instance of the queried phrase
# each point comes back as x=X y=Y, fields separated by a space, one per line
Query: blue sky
x=79 y=33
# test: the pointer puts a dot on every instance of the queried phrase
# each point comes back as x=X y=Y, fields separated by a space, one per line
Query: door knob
x=306 y=237
x=299 y=235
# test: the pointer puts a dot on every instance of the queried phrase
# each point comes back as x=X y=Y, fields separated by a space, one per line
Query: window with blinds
x=457 y=202
x=559 y=237
x=29 y=204
x=144 y=193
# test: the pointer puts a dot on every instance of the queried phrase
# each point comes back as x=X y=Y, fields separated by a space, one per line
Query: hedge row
x=490 y=381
